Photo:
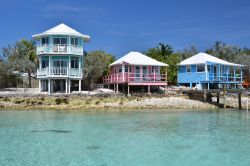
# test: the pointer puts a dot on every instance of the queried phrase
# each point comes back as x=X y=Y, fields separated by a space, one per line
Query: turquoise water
x=125 y=138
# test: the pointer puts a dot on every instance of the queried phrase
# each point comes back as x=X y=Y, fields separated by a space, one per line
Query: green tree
x=21 y=57
x=165 y=53
x=232 y=54
x=96 y=64
x=188 y=52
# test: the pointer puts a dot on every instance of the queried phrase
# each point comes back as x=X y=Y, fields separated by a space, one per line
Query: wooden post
x=239 y=100
x=224 y=95
x=205 y=95
x=218 y=97
x=148 y=89
x=117 y=87
x=128 y=89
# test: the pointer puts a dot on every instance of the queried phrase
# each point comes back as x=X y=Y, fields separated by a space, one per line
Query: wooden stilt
x=66 y=86
x=128 y=90
x=239 y=100
x=218 y=97
x=69 y=85
x=148 y=89
x=224 y=95
x=49 y=86
x=80 y=85
x=40 y=86
x=205 y=95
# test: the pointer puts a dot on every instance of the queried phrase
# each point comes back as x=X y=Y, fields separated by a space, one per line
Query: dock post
x=239 y=100
x=247 y=103
x=205 y=95
x=218 y=97
x=224 y=95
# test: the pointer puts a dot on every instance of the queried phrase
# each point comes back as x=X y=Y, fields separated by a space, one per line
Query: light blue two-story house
x=208 y=72
x=60 y=52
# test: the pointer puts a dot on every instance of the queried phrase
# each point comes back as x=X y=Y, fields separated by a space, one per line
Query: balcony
x=59 y=49
x=225 y=77
x=63 y=72
x=136 y=79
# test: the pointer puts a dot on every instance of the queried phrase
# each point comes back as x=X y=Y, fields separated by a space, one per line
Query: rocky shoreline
x=102 y=99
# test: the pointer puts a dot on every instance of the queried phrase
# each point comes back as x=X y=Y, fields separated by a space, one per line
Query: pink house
x=135 y=69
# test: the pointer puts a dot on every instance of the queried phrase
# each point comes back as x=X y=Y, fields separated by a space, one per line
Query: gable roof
x=136 y=58
x=62 y=29
x=202 y=58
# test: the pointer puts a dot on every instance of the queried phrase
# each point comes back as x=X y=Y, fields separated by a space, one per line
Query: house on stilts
x=135 y=69
x=60 y=52
x=208 y=72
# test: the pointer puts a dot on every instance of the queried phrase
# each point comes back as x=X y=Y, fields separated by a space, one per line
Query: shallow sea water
x=124 y=138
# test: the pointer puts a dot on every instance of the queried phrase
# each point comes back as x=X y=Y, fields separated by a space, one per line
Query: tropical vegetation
x=21 y=57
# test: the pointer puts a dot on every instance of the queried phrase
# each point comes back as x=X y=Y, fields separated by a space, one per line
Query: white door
x=137 y=73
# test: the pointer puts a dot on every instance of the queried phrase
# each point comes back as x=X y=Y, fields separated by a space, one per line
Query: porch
x=59 y=48
x=136 y=79
x=59 y=72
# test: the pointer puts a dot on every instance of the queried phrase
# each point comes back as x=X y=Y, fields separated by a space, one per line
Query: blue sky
x=131 y=25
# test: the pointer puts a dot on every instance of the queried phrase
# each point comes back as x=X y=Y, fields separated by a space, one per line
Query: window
x=61 y=41
x=157 y=69
x=45 y=63
x=59 y=63
x=120 y=68
x=188 y=68
x=126 y=69
x=74 y=63
x=45 y=41
x=74 y=41
x=200 y=68
x=208 y=68
x=152 y=69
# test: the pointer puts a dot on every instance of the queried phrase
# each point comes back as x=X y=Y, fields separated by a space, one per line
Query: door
x=137 y=73
x=215 y=72
x=60 y=67
x=145 y=73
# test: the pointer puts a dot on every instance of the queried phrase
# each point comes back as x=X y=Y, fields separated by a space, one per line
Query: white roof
x=202 y=58
x=62 y=29
x=136 y=58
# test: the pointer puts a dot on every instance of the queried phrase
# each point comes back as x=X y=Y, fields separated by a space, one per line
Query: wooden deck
x=136 y=79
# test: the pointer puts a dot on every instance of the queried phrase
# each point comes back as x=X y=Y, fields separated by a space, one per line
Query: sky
x=120 y=26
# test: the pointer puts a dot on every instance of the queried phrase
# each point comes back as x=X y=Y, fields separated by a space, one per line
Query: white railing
x=225 y=77
x=59 y=72
x=76 y=49
x=134 y=77
x=60 y=48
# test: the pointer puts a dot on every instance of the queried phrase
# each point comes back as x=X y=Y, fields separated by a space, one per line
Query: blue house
x=208 y=72
x=60 y=52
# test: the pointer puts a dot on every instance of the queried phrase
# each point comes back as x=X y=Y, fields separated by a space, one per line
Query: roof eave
x=86 y=38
